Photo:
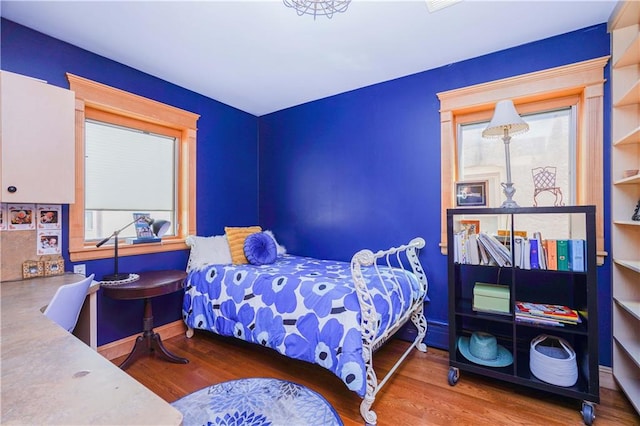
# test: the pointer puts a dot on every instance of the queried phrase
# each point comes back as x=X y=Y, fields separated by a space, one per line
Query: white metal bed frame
x=397 y=258
x=369 y=322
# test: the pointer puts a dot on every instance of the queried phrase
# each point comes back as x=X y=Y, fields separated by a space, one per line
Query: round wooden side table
x=150 y=284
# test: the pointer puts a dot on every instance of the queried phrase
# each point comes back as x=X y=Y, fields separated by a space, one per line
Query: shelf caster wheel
x=454 y=375
x=588 y=413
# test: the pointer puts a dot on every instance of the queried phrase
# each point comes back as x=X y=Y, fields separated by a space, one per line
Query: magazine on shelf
x=538 y=320
x=547 y=311
x=500 y=254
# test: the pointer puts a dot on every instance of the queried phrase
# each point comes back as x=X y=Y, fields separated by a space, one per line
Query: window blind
x=127 y=169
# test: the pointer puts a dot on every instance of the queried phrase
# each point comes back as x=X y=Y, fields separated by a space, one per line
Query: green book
x=562 y=254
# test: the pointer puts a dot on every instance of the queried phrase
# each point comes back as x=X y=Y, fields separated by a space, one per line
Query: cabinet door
x=38 y=145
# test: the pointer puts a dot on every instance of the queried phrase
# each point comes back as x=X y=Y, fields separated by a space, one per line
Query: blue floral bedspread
x=303 y=308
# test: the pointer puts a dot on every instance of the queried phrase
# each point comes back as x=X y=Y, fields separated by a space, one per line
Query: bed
x=331 y=313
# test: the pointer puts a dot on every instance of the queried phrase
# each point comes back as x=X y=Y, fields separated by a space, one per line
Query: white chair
x=66 y=304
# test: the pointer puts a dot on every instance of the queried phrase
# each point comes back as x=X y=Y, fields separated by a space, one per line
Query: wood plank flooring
x=417 y=394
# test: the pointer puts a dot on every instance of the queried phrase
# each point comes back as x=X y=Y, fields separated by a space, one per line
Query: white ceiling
x=261 y=57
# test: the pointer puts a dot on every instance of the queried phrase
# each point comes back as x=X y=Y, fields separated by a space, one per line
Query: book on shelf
x=534 y=256
x=498 y=252
x=538 y=320
x=575 y=255
x=526 y=257
x=143 y=240
x=518 y=242
x=528 y=253
x=552 y=259
x=562 y=249
x=542 y=253
x=485 y=258
x=476 y=249
x=472 y=249
x=551 y=254
x=546 y=312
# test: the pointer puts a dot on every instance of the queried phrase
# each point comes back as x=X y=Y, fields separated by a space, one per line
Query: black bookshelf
x=575 y=289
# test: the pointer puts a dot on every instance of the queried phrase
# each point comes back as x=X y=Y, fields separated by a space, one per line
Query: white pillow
x=208 y=251
x=281 y=249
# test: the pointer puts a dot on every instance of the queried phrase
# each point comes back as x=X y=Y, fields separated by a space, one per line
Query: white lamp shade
x=506 y=117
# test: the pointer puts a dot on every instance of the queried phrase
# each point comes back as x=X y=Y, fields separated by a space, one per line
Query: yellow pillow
x=235 y=238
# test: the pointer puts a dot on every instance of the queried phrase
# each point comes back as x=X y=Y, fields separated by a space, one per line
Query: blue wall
x=227 y=161
x=362 y=169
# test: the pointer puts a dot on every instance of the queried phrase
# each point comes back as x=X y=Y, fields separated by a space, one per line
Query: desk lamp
x=505 y=123
x=158 y=227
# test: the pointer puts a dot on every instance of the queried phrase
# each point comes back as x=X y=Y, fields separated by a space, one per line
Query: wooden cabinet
x=38 y=142
x=574 y=288
x=624 y=27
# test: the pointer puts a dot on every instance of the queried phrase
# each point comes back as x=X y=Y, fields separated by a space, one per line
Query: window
x=550 y=142
x=578 y=87
x=145 y=180
x=132 y=155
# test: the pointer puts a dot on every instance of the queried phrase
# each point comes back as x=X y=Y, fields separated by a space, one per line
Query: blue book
x=576 y=255
x=143 y=240
x=534 y=246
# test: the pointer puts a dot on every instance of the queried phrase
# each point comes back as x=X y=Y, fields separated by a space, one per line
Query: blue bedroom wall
x=227 y=162
x=362 y=169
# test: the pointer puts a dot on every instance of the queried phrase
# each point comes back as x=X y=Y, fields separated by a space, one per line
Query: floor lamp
x=158 y=227
x=505 y=123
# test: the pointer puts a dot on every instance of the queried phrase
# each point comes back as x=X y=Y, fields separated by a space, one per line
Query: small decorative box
x=54 y=266
x=491 y=298
x=32 y=268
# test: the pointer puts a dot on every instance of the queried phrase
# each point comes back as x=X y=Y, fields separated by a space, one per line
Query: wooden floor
x=417 y=394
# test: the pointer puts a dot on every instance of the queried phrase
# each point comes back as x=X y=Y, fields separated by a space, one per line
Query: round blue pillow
x=260 y=249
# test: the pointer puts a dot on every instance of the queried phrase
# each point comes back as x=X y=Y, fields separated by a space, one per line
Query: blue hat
x=482 y=348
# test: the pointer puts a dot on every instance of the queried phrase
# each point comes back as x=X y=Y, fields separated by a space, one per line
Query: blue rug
x=257 y=402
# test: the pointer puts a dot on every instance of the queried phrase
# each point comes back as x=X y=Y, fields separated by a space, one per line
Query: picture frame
x=143 y=230
x=32 y=268
x=49 y=216
x=53 y=267
x=20 y=217
x=472 y=226
x=471 y=193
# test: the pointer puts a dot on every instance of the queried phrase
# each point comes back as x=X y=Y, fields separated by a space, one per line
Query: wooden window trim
x=95 y=100
x=583 y=79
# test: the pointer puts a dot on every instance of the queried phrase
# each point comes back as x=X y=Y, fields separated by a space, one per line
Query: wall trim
x=122 y=347
x=606 y=379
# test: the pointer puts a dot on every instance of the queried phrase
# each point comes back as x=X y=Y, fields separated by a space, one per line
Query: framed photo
x=143 y=230
x=53 y=267
x=3 y=217
x=21 y=217
x=472 y=226
x=49 y=242
x=49 y=216
x=471 y=194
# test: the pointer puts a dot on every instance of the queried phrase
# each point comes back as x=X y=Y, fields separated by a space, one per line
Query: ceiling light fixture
x=318 y=7
x=434 y=5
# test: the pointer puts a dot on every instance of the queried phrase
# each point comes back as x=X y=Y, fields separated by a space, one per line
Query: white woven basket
x=553 y=361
